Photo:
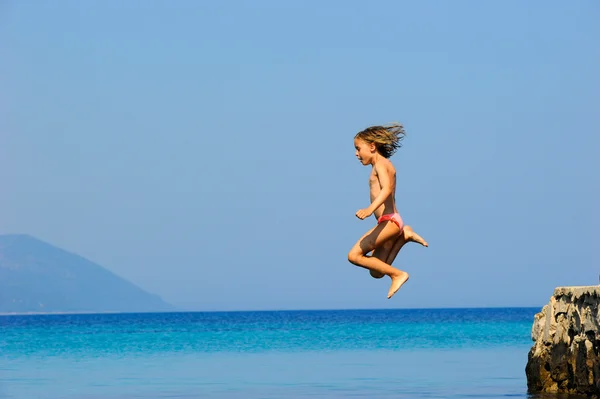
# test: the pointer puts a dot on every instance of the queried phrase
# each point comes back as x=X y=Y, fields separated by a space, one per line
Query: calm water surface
x=424 y=353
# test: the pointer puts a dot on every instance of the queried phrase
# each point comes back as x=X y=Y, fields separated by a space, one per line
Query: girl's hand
x=363 y=213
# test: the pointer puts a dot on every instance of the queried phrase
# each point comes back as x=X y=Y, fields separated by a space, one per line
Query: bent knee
x=354 y=256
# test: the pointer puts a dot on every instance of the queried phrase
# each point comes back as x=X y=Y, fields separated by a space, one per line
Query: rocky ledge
x=566 y=355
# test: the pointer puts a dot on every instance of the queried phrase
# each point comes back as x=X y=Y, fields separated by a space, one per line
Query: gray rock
x=565 y=357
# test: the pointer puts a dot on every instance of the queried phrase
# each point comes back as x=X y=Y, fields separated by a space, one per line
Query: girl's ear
x=372 y=147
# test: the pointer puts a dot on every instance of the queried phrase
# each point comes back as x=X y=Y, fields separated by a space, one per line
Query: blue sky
x=204 y=150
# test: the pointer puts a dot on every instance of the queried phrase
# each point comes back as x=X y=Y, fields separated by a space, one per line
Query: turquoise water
x=424 y=353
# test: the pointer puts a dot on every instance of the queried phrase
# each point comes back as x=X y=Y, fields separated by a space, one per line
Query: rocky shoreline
x=565 y=357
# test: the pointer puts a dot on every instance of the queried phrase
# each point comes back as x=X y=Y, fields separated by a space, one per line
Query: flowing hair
x=386 y=138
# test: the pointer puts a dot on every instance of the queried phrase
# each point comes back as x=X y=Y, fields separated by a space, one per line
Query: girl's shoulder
x=384 y=165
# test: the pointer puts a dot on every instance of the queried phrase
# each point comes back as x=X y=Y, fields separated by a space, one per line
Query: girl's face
x=364 y=151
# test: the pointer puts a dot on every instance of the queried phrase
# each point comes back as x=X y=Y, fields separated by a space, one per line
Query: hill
x=38 y=277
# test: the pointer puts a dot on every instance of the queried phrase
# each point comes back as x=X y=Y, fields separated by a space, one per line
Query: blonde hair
x=386 y=138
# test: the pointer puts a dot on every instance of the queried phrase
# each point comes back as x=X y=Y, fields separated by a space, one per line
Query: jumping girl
x=374 y=146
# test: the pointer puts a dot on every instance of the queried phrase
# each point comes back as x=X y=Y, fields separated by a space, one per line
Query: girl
x=374 y=146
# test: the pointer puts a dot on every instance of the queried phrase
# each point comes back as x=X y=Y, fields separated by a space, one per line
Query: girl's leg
x=384 y=251
x=373 y=239
x=389 y=250
x=387 y=253
x=408 y=235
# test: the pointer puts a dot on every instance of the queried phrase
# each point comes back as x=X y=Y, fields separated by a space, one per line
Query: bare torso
x=389 y=205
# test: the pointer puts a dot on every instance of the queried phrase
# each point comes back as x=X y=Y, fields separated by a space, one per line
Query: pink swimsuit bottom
x=394 y=217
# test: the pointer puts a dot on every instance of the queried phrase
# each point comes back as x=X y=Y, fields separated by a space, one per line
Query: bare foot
x=410 y=235
x=397 y=282
x=375 y=274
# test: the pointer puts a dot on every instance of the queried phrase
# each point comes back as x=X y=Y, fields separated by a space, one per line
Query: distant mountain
x=38 y=277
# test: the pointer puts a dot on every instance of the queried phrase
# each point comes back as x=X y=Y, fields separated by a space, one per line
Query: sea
x=399 y=353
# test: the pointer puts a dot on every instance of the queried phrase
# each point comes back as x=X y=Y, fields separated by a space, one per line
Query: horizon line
x=83 y=312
